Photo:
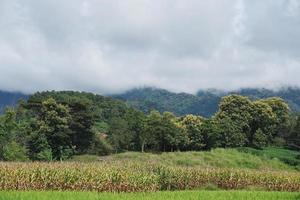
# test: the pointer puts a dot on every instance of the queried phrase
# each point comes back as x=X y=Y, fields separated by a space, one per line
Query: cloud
x=109 y=46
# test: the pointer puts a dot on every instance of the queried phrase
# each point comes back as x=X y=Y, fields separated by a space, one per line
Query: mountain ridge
x=204 y=102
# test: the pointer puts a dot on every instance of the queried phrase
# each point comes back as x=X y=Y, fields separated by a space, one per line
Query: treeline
x=57 y=125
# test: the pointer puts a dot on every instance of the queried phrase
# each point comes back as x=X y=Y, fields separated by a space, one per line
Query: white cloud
x=108 y=46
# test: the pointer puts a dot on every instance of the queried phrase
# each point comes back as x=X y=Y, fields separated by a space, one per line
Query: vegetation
x=147 y=99
x=205 y=195
x=58 y=125
x=289 y=157
x=204 y=103
x=216 y=158
x=137 y=177
x=243 y=146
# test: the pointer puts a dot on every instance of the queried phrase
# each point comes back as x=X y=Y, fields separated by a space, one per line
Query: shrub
x=14 y=152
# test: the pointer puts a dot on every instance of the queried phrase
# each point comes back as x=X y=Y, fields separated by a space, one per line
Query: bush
x=45 y=155
x=100 y=147
x=14 y=152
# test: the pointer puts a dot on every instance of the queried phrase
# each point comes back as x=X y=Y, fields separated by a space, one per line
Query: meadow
x=270 y=158
x=182 y=195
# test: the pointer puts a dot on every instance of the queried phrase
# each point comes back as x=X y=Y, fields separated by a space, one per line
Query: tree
x=171 y=136
x=162 y=132
x=211 y=133
x=259 y=139
x=152 y=129
x=8 y=125
x=262 y=125
x=136 y=124
x=238 y=109
x=282 y=114
x=229 y=133
x=119 y=134
x=294 y=137
x=8 y=131
x=54 y=123
x=81 y=125
x=259 y=121
x=191 y=126
x=38 y=146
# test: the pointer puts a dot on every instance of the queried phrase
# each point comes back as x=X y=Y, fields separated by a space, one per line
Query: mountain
x=204 y=103
x=147 y=99
x=10 y=99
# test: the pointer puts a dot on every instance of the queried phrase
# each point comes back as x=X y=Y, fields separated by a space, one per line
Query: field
x=218 y=174
x=274 y=159
x=188 y=195
x=145 y=172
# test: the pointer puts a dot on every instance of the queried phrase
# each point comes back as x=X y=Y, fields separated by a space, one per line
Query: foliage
x=192 y=128
x=253 y=123
x=58 y=125
x=39 y=149
x=54 y=123
x=204 y=103
x=14 y=152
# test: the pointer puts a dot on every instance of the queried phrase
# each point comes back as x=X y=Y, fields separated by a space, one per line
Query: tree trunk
x=143 y=146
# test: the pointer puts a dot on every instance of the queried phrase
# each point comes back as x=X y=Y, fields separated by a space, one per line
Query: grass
x=286 y=156
x=217 y=158
x=182 y=195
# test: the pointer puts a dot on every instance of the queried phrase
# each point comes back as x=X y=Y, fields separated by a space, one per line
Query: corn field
x=137 y=177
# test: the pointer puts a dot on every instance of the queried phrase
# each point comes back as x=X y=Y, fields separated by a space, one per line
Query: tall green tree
x=136 y=125
x=262 y=125
x=163 y=132
x=81 y=124
x=192 y=127
x=54 y=123
x=294 y=137
x=229 y=133
x=119 y=134
x=282 y=114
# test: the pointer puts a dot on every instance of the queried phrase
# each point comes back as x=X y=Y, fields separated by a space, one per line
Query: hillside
x=102 y=108
x=147 y=99
x=240 y=158
x=9 y=99
x=204 y=103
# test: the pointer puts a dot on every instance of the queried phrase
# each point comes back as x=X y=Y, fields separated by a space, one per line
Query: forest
x=52 y=125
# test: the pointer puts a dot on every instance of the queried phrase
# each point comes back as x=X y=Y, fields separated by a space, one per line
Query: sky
x=110 y=46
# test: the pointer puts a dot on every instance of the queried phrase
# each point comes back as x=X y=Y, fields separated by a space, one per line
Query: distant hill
x=147 y=99
x=102 y=107
x=204 y=103
x=10 y=99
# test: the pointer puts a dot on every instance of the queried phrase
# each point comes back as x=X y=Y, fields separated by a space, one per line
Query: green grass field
x=188 y=195
x=267 y=159
x=286 y=156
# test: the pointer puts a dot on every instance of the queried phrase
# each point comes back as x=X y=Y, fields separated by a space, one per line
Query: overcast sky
x=109 y=46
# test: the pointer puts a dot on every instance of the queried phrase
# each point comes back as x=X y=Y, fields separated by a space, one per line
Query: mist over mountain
x=10 y=99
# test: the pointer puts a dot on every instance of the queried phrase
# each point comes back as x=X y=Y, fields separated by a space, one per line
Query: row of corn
x=134 y=177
